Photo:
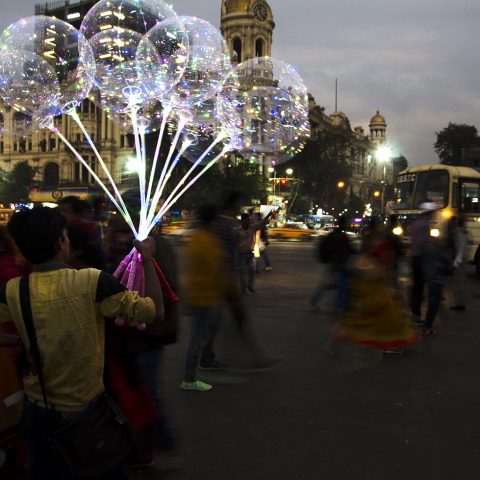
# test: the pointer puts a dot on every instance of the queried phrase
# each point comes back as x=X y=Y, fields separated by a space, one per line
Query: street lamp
x=288 y=171
x=340 y=184
x=383 y=154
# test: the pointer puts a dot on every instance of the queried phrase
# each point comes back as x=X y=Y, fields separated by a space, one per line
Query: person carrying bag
x=72 y=429
x=92 y=442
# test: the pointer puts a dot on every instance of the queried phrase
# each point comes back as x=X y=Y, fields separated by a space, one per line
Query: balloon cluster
x=152 y=71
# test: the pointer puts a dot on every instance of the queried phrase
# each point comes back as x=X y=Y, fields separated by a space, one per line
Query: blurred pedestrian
x=141 y=353
x=373 y=316
x=69 y=308
x=420 y=234
x=204 y=288
x=460 y=242
x=246 y=237
x=226 y=230
x=12 y=262
x=437 y=267
x=334 y=250
x=262 y=242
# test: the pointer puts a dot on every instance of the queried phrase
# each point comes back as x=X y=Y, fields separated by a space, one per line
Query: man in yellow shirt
x=69 y=308
x=205 y=285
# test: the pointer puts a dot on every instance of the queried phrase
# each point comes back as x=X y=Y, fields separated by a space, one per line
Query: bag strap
x=32 y=337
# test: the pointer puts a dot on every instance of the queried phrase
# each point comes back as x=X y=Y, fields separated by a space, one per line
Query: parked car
x=291 y=231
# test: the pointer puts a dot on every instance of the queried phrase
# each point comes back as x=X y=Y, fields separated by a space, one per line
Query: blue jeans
x=246 y=261
x=37 y=424
x=336 y=280
x=200 y=328
x=148 y=371
x=434 y=299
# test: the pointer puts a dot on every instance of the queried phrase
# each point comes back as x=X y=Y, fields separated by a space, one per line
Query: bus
x=455 y=190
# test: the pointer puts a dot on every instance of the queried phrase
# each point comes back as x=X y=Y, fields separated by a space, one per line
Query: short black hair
x=36 y=232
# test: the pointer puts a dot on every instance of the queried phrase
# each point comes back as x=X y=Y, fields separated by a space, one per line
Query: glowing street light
x=384 y=154
x=288 y=171
x=340 y=184
x=133 y=165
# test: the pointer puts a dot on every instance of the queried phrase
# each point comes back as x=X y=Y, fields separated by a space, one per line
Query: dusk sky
x=417 y=61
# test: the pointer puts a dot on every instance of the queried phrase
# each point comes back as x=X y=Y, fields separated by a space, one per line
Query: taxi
x=291 y=231
x=5 y=215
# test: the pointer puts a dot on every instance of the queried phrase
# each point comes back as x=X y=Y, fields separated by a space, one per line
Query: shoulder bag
x=96 y=440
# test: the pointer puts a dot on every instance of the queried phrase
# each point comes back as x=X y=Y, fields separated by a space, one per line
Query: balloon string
x=169 y=202
x=151 y=223
x=78 y=121
x=125 y=215
x=141 y=176
x=182 y=150
x=166 y=114
x=159 y=190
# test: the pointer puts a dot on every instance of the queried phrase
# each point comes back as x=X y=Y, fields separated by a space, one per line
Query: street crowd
x=56 y=269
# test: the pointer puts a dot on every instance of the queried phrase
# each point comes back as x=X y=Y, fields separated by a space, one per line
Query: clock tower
x=247 y=26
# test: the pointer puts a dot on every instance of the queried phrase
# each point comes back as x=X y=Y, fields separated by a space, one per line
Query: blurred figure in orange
x=374 y=317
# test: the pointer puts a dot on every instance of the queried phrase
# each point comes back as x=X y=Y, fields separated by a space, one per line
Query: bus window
x=432 y=186
x=405 y=188
x=469 y=197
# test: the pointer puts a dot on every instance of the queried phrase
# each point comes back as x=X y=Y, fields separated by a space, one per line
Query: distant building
x=471 y=155
x=53 y=161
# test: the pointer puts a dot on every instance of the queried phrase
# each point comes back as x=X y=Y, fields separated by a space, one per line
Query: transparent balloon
x=116 y=75
x=207 y=67
x=200 y=132
x=41 y=69
x=162 y=56
x=115 y=29
x=273 y=109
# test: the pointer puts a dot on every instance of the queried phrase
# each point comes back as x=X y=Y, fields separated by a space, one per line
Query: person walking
x=460 y=242
x=226 y=230
x=334 y=250
x=437 y=268
x=420 y=234
x=204 y=288
x=69 y=308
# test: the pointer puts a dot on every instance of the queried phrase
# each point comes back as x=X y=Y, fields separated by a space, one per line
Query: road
x=400 y=417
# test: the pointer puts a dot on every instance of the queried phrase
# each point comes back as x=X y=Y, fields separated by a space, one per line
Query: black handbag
x=97 y=439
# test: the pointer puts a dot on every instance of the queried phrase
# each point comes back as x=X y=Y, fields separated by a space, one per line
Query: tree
x=320 y=167
x=15 y=185
x=451 y=140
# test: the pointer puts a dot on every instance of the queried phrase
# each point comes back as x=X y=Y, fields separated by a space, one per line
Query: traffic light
x=283 y=181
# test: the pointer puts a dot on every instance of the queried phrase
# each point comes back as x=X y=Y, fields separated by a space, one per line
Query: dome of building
x=232 y=6
x=378 y=119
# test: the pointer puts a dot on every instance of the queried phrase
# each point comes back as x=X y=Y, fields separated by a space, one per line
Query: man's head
x=40 y=234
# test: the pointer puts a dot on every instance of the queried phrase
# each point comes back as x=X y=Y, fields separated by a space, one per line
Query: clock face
x=260 y=12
